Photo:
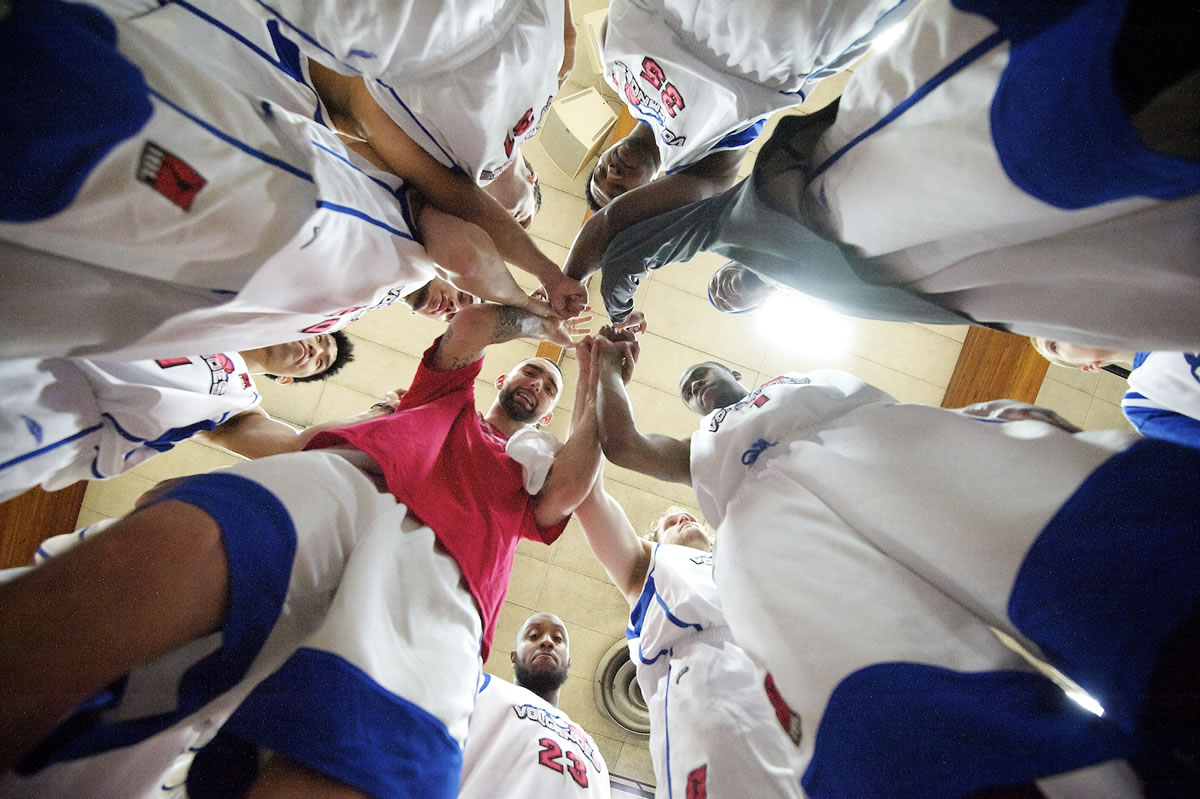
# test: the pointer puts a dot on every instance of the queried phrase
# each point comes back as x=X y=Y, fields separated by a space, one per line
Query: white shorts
x=964 y=175
x=713 y=728
x=885 y=664
x=787 y=45
x=351 y=645
x=214 y=220
x=50 y=426
x=467 y=80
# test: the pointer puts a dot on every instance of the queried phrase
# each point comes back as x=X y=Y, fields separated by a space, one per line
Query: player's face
x=530 y=390
x=304 y=358
x=439 y=299
x=542 y=646
x=516 y=190
x=734 y=289
x=708 y=386
x=621 y=168
x=1076 y=353
x=683 y=529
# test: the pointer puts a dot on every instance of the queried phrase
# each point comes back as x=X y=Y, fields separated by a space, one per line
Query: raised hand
x=636 y=321
x=567 y=296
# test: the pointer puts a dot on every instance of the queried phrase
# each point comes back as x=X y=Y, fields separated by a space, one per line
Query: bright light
x=804 y=325
x=1086 y=702
x=886 y=39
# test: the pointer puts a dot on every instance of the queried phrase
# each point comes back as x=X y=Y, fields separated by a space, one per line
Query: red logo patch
x=169 y=175
x=788 y=719
x=697 y=783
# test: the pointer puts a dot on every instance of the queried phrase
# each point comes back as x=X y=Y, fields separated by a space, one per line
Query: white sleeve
x=535 y=450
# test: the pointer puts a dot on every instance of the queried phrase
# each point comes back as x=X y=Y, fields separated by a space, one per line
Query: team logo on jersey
x=697 y=783
x=625 y=81
x=221 y=367
x=169 y=175
x=526 y=126
x=757 y=448
x=33 y=427
x=755 y=398
x=788 y=718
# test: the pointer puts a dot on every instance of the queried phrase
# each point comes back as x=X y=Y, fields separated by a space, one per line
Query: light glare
x=1086 y=702
x=888 y=38
x=804 y=325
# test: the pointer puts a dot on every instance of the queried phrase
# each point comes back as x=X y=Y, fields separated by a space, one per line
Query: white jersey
x=520 y=745
x=712 y=726
x=1000 y=178
x=468 y=80
x=223 y=222
x=734 y=441
x=904 y=528
x=703 y=75
x=1169 y=380
x=315 y=552
x=66 y=420
x=237 y=47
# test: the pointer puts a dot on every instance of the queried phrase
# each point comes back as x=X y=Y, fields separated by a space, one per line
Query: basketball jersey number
x=549 y=757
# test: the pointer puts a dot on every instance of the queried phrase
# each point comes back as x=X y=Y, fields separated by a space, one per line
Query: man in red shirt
x=314 y=590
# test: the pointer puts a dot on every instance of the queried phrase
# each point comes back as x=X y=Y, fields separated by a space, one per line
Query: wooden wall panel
x=31 y=518
x=995 y=365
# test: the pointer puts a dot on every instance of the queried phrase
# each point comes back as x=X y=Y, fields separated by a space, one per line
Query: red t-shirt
x=454 y=476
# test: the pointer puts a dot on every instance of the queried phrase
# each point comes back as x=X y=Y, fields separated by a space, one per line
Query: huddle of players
x=895 y=605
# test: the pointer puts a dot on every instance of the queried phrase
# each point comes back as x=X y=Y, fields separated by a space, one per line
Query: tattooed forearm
x=514 y=323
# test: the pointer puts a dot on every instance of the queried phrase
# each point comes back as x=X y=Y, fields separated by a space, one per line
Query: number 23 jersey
x=520 y=745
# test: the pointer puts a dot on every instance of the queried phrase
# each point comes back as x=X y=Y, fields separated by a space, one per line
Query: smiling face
x=304 y=358
x=543 y=653
x=438 y=299
x=623 y=167
x=530 y=390
x=708 y=386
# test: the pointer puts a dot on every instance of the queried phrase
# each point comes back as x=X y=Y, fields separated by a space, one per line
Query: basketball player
x=322 y=604
x=701 y=77
x=66 y=420
x=445 y=93
x=866 y=549
x=705 y=695
x=519 y=742
x=1163 y=399
x=218 y=220
x=984 y=220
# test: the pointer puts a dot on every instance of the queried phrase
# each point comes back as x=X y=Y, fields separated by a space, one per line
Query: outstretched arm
x=354 y=112
x=254 y=434
x=658 y=456
x=477 y=326
x=624 y=555
x=712 y=175
x=467 y=257
x=576 y=467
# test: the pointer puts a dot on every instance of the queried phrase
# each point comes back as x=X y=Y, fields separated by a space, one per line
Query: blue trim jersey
x=212 y=221
x=519 y=744
x=338 y=601
x=1163 y=400
x=704 y=74
x=869 y=548
x=468 y=80
x=66 y=420
x=713 y=730
x=961 y=175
